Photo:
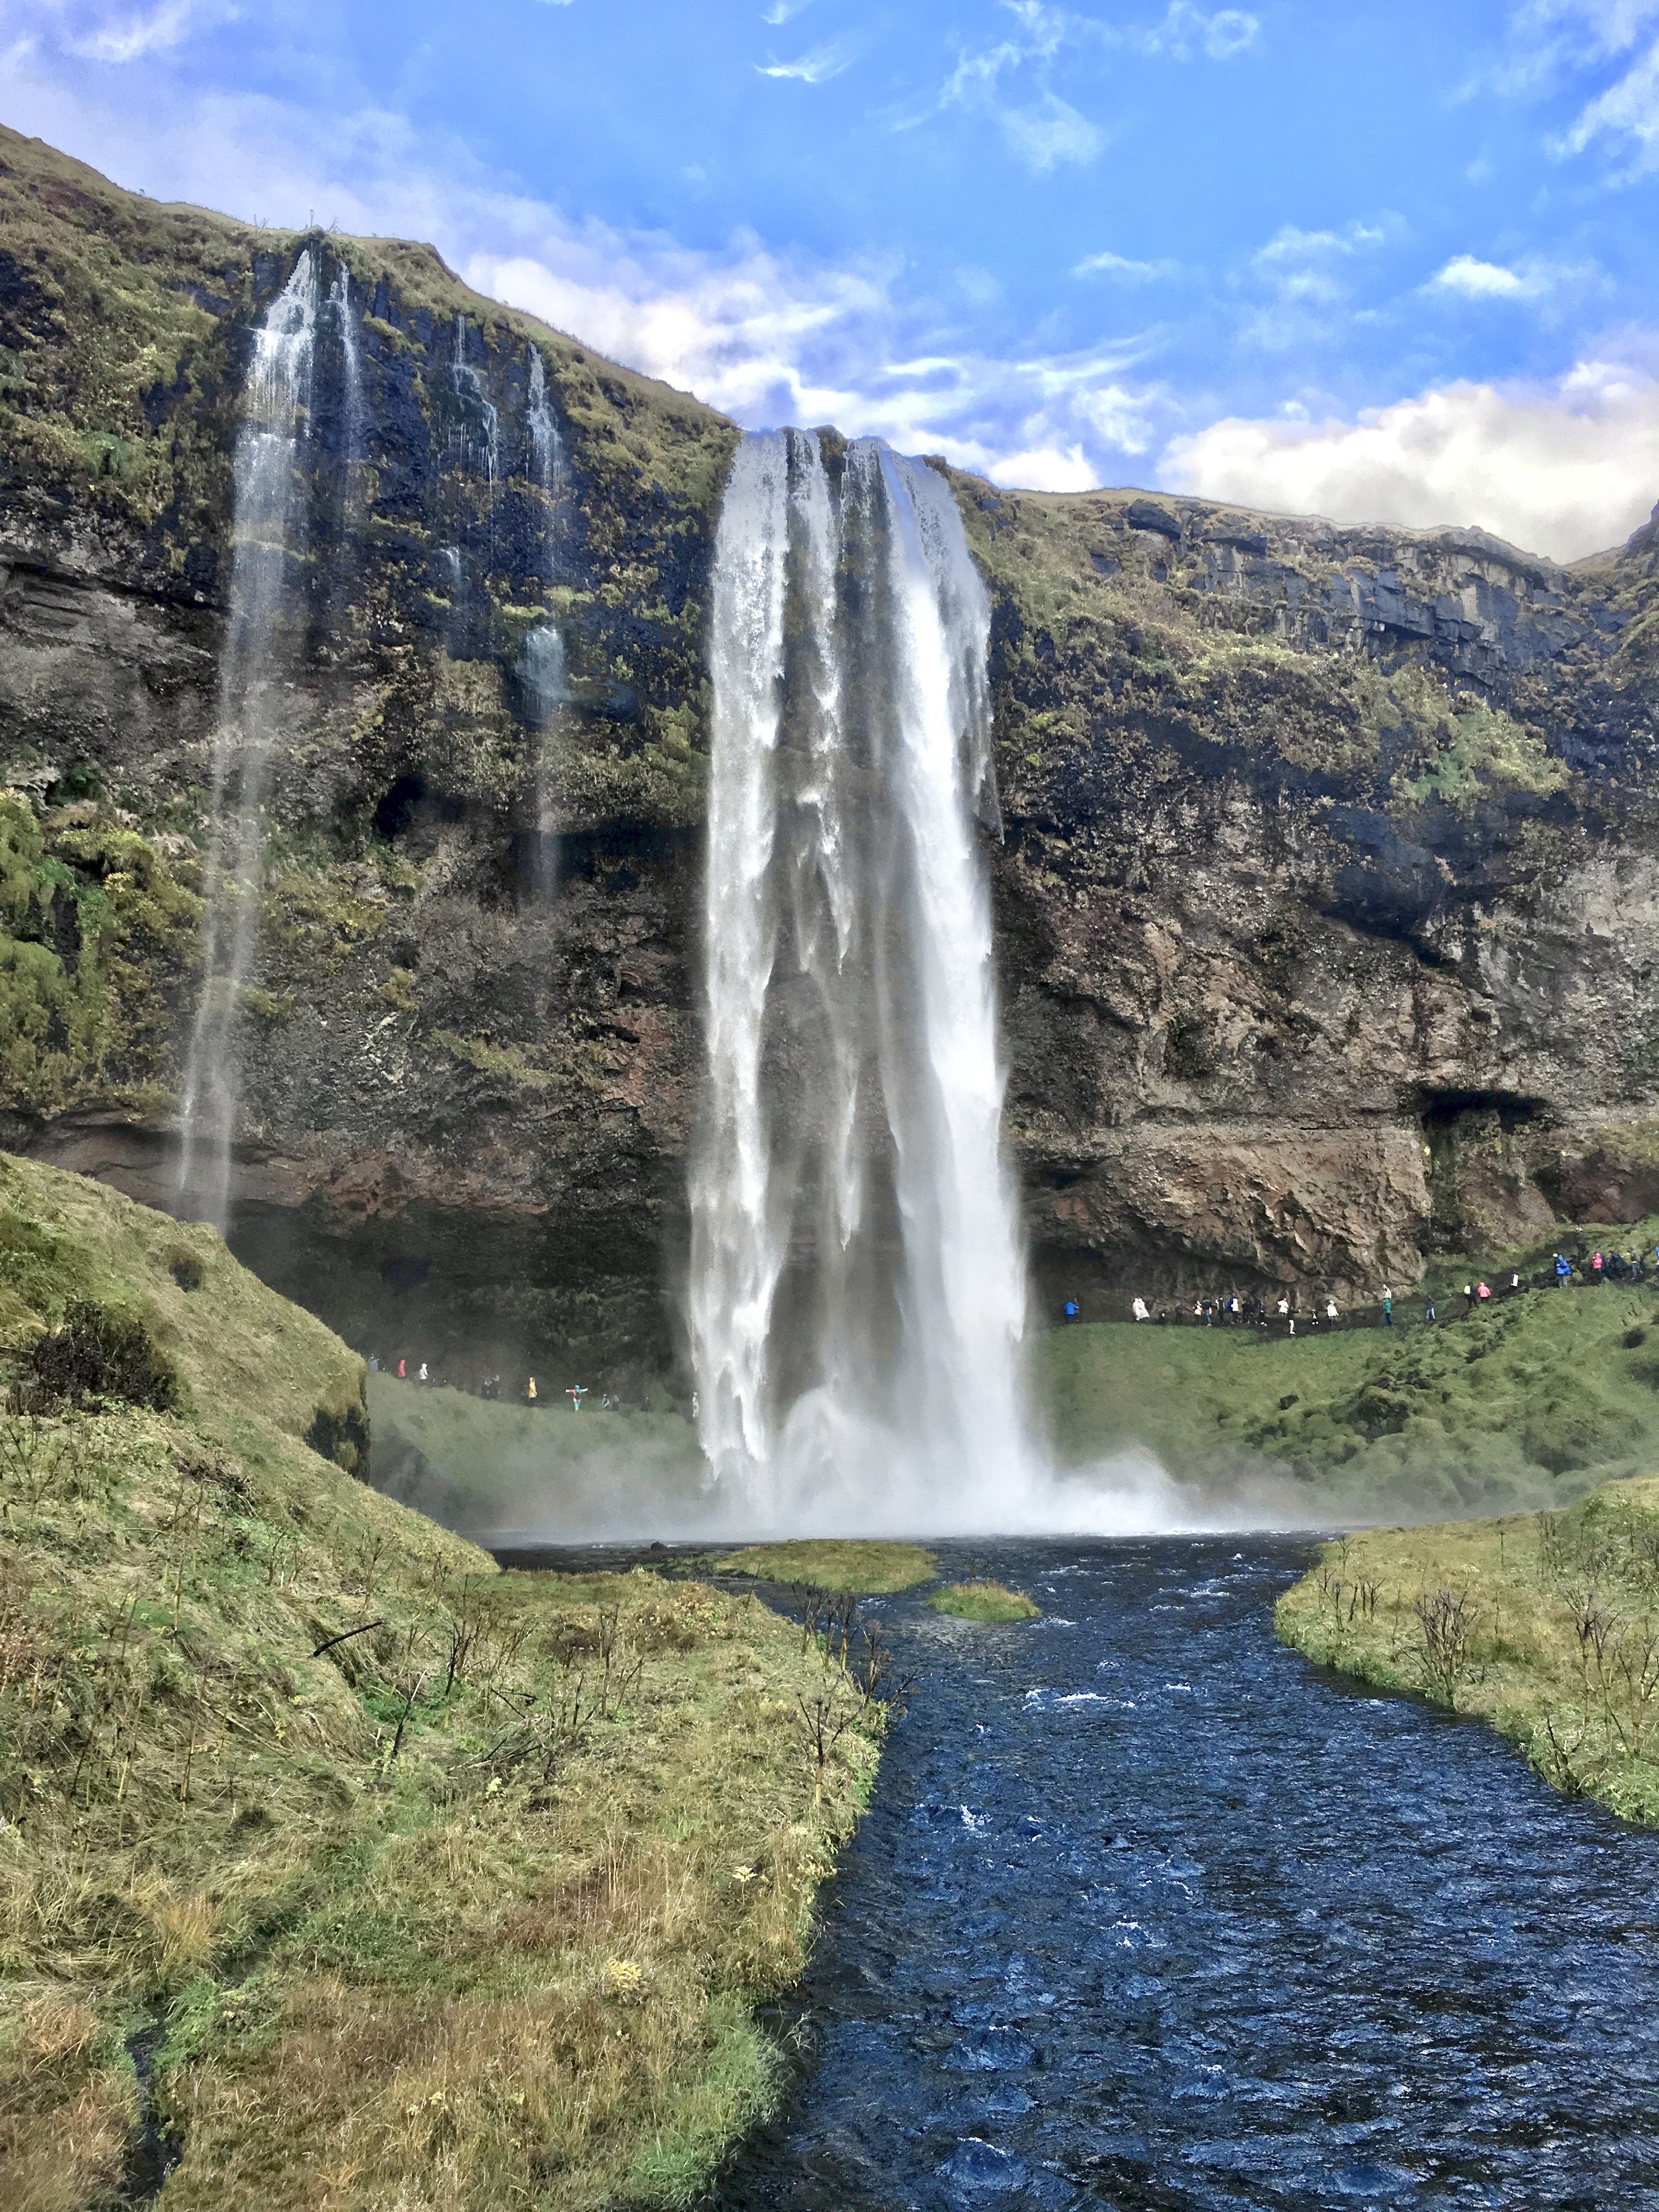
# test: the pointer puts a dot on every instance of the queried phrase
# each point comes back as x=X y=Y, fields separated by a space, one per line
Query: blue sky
x=1381 y=262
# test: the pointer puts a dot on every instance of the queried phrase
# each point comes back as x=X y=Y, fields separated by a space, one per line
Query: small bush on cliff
x=96 y=1353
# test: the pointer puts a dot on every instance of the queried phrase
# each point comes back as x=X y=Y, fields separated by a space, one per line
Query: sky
x=1382 y=263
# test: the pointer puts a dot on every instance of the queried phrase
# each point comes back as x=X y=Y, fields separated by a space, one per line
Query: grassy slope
x=512 y=1964
x=1545 y=1623
x=1527 y=1404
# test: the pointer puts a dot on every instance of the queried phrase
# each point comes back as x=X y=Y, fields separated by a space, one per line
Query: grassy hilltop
x=337 y=1866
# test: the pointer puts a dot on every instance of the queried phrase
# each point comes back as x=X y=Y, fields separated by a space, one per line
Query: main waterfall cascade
x=268 y=533
x=857 y=1289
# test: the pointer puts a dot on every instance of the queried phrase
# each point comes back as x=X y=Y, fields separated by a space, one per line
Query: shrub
x=95 y=1353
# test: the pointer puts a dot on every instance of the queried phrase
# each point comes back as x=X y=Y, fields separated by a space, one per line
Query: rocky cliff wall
x=1326 y=901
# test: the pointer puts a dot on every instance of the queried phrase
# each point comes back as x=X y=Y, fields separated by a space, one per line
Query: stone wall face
x=1325 y=901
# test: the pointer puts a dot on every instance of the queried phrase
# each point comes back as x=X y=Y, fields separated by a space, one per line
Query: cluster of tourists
x=491 y=1386
x=1287 y=1311
x=1292 y=1312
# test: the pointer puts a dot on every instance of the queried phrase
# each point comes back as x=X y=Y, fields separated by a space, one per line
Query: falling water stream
x=856 y=1286
x=269 y=534
x=544 y=667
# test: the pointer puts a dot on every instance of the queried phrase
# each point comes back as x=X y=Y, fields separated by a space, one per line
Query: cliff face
x=1325 y=900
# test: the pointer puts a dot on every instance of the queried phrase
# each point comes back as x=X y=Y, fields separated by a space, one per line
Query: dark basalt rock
x=1324 y=898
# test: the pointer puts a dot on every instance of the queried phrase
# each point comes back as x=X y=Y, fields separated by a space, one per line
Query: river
x=1147 y=1913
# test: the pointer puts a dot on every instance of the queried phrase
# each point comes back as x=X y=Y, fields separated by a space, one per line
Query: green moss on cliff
x=97 y=937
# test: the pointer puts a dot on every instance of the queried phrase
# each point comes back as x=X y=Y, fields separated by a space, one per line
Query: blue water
x=1147 y=1913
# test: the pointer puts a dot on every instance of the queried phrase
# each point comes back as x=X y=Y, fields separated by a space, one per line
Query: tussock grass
x=442 y=1885
x=1545 y=1623
x=984 y=1601
x=1528 y=1404
x=834 y=1564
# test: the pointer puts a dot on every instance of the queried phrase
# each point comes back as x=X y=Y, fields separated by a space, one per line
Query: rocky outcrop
x=1325 y=897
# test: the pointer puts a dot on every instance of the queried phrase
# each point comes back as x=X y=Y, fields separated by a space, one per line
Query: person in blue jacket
x=1563 y=1269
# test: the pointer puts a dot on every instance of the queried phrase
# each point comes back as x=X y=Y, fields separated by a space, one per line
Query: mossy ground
x=468 y=1907
x=984 y=1601
x=832 y=1563
x=1528 y=1403
x=1547 y=1624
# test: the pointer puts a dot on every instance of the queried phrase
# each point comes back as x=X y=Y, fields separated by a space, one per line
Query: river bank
x=1542 y=1624
x=406 y=1879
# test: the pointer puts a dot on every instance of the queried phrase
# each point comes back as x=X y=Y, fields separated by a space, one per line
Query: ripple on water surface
x=1146 y=1915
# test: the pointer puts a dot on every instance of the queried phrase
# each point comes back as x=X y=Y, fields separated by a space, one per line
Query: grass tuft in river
x=978 y=1599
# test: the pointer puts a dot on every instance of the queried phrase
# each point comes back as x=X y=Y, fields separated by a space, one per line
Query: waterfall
x=474 y=406
x=546 y=452
x=857 y=1289
x=339 y=300
x=544 y=652
x=268 y=533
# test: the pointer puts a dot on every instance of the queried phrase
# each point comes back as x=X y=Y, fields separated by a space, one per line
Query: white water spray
x=857 y=1291
x=268 y=534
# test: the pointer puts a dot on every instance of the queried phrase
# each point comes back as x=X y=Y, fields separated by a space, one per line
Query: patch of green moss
x=98 y=937
x=320 y=915
x=1475 y=749
x=504 y=1062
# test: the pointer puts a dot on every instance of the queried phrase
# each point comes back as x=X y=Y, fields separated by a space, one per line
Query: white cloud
x=784 y=11
x=1564 y=469
x=818 y=66
x=1125 y=272
x=1048 y=131
x=1481 y=280
x=1044 y=468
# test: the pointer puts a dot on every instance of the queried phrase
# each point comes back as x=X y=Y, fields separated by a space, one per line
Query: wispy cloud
x=823 y=63
x=1474 y=279
x=94 y=30
x=1566 y=468
x=784 y=11
x=1553 y=40
x=1123 y=271
x=1187 y=31
x=1050 y=130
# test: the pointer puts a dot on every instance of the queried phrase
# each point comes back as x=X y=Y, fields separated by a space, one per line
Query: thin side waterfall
x=339 y=300
x=268 y=533
x=543 y=651
x=473 y=404
x=857 y=1289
